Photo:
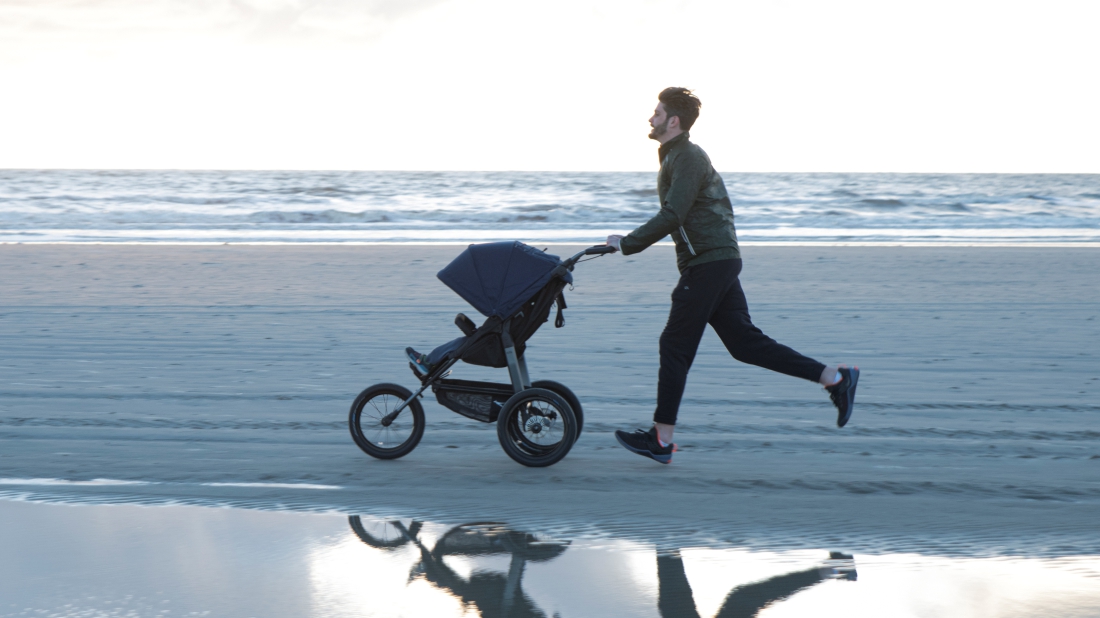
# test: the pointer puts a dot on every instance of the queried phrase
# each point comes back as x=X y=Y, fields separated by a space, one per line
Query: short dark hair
x=682 y=103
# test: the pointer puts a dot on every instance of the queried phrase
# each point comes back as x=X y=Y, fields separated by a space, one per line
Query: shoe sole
x=850 y=396
x=645 y=452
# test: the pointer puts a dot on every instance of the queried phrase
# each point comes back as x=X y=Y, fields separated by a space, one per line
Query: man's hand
x=613 y=241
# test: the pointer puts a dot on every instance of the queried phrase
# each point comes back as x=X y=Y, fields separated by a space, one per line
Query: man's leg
x=695 y=298
x=749 y=344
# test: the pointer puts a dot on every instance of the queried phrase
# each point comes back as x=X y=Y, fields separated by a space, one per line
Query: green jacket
x=695 y=208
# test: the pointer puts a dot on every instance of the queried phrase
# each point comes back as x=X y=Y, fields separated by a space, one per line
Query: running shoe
x=645 y=443
x=420 y=360
x=843 y=394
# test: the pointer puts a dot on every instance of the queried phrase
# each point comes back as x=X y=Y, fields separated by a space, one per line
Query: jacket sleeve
x=688 y=172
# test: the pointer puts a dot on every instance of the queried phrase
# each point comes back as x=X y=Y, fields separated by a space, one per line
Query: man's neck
x=670 y=135
x=663 y=149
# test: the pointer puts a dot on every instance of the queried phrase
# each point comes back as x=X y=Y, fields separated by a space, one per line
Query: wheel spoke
x=385 y=406
x=371 y=428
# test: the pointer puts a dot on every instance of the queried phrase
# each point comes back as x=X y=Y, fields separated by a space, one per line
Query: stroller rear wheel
x=536 y=427
x=378 y=438
x=563 y=391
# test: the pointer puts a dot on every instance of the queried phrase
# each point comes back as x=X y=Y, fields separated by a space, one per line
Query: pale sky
x=845 y=85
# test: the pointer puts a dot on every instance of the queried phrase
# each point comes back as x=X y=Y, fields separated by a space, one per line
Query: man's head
x=677 y=109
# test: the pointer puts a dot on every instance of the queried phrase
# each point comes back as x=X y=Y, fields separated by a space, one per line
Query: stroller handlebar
x=596 y=250
x=600 y=250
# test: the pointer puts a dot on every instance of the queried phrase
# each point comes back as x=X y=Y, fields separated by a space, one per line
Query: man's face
x=659 y=122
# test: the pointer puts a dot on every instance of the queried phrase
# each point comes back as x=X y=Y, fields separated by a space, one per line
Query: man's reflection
x=675 y=600
x=494 y=595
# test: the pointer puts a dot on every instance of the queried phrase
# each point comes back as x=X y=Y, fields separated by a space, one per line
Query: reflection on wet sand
x=675 y=599
x=495 y=595
x=127 y=560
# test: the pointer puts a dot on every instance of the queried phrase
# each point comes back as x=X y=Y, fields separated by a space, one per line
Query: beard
x=659 y=130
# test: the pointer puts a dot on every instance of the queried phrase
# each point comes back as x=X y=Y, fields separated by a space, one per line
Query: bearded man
x=697 y=213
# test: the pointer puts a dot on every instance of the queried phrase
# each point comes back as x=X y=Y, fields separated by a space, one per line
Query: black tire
x=563 y=391
x=536 y=427
x=390 y=535
x=369 y=434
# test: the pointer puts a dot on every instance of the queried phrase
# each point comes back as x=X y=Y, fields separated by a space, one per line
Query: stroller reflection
x=675 y=600
x=493 y=594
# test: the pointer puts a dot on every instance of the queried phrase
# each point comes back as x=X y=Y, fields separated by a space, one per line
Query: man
x=696 y=211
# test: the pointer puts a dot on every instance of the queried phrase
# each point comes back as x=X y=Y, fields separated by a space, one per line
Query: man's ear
x=674 y=122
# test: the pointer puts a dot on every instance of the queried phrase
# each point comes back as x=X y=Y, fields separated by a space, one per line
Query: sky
x=786 y=85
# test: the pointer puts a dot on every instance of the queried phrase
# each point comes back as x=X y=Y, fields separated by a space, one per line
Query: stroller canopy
x=498 y=277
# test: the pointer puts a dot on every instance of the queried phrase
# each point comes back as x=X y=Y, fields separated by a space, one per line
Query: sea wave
x=216 y=206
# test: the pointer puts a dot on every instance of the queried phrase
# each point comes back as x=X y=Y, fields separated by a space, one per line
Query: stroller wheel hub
x=535 y=424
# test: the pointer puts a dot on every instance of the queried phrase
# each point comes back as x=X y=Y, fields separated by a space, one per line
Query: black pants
x=711 y=294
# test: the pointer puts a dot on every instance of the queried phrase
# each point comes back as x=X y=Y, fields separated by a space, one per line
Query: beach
x=221 y=227
x=222 y=375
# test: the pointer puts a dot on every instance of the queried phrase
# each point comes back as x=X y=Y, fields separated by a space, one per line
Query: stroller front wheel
x=378 y=438
x=536 y=427
x=387 y=535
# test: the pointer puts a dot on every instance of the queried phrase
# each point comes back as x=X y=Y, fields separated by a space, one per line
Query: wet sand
x=124 y=560
x=976 y=429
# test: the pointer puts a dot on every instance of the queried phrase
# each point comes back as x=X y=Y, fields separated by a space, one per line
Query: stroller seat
x=514 y=286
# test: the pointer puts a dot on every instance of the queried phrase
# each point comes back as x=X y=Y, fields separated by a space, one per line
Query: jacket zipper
x=684 y=235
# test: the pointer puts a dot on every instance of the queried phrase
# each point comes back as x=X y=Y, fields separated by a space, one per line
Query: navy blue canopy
x=498 y=277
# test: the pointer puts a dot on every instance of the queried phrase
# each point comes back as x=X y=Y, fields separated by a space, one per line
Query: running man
x=696 y=211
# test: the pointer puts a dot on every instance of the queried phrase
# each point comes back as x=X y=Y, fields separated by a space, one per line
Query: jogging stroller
x=514 y=286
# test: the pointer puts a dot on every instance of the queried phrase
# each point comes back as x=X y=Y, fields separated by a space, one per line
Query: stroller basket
x=480 y=401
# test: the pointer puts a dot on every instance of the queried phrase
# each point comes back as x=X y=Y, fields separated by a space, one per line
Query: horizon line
x=504 y=171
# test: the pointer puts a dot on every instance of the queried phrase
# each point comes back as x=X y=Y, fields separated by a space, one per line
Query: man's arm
x=688 y=171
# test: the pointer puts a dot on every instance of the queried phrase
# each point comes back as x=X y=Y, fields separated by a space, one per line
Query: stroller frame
x=484 y=401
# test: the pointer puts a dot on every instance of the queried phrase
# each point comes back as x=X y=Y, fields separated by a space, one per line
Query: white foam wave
x=587 y=235
x=64 y=482
x=273 y=485
x=51 y=482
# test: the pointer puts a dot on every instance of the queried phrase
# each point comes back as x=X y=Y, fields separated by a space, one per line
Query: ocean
x=88 y=206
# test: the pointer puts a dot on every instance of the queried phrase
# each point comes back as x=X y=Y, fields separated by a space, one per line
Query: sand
x=174 y=367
